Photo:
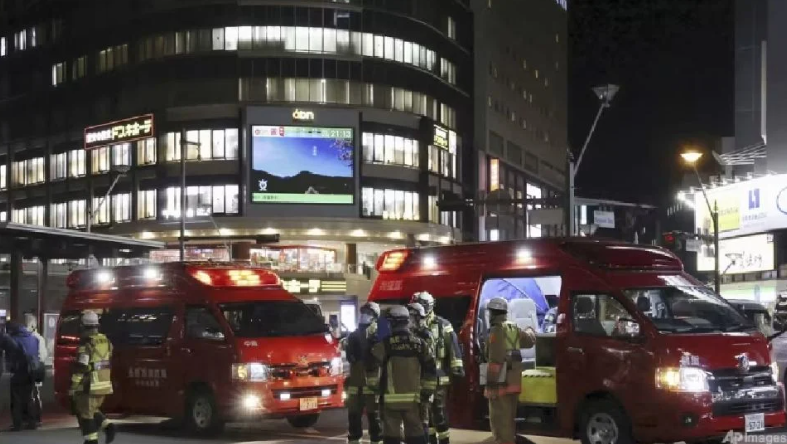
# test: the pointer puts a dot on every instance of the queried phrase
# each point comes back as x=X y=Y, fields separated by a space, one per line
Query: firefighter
x=503 y=345
x=448 y=358
x=418 y=327
x=360 y=394
x=91 y=380
x=408 y=378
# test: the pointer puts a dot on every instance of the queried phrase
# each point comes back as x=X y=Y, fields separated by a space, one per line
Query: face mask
x=365 y=319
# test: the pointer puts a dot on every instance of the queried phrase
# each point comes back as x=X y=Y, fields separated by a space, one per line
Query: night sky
x=674 y=62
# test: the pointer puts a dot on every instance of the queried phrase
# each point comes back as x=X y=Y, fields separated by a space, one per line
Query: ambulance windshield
x=272 y=318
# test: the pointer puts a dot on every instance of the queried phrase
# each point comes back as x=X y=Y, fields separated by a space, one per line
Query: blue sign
x=754 y=199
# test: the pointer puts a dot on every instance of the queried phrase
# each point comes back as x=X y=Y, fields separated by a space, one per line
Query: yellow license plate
x=309 y=404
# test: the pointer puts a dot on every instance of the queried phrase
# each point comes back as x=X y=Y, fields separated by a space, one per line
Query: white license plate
x=311 y=404
x=755 y=422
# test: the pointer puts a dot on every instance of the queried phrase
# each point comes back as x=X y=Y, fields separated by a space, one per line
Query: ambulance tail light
x=392 y=260
x=234 y=277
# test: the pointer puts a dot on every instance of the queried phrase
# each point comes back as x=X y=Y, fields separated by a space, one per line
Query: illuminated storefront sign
x=440 y=138
x=121 y=131
x=494 y=174
x=314 y=286
x=748 y=207
x=302 y=116
x=747 y=254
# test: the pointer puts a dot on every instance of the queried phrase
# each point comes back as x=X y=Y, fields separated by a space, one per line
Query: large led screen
x=304 y=165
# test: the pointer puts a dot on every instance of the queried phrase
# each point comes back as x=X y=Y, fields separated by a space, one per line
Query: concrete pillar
x=351 y=255
x=15 y=286
x=241 y=251
x=43 y=273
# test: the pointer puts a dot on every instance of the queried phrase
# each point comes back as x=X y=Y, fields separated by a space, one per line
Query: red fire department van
x=208 y=343
x=630 y=348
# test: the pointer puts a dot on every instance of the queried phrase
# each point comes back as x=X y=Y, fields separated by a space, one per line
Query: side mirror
x=628 y=328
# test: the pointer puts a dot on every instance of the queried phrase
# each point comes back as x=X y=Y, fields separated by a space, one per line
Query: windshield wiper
x=740 y=327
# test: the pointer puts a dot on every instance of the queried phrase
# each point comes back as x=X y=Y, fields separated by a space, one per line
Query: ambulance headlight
x=682 y=379
x=251 y=402
x=253 y=372
x=775 y=371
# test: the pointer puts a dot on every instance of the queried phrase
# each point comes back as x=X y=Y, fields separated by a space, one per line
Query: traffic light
x=671 y=240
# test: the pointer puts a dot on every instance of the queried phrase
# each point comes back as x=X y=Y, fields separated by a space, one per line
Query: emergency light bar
x=234 y=277
x=392 y=260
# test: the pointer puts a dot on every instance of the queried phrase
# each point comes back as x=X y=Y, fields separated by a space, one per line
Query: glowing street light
x=691 y=157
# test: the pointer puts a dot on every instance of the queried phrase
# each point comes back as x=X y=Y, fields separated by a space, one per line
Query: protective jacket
x=448 y=355
x=92 y=369
x=356 y=348
x=406 y=369
x=502 y=350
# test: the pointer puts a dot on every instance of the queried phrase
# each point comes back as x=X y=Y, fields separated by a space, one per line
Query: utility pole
x=183 y=145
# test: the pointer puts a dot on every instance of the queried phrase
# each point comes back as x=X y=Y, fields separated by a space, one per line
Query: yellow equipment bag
x=539 y=386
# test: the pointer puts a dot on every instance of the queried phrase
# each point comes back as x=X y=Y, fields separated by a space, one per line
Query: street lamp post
x=691 y=158
x=121 y=171
x=605 y=95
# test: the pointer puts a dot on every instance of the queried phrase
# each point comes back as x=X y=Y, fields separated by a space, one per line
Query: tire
x=303 y=421
x=201 y=416
x=604 y=422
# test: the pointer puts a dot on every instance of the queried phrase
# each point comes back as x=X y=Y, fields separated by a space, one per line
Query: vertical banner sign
x=494 y=174
x=121 y=131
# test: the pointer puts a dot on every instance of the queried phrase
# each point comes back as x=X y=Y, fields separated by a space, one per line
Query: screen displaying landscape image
x=305 y=165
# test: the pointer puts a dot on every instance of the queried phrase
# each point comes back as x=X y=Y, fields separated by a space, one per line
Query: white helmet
x=417 y=309
x=89 y=319
x=425 y=299
x=398 y=314
x=498 y=304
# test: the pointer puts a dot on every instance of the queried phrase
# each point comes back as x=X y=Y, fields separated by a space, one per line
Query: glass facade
x=390 y=204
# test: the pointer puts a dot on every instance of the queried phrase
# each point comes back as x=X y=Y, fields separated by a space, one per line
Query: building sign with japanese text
x=314 y=286
x=748 y=254
x=440 y=138
x=121 y=131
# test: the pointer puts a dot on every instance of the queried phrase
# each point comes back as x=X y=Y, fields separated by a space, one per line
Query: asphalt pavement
x=60 y=429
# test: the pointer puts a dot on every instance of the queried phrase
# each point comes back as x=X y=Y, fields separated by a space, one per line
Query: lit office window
x=146 y=204
x=3 y=216
x=77 y=214
x=121 y=208
x=392 y=150
x=3 y=48
x=121 y=154
x=112 y=58
x=58 y=73
x=100 y=211
x=146 y=151
x=201 y=201
x=28 y=172
x=99 y=160
x=3 y=177
x=533 y=192
x=203 y=145
x=448 y=71
x=451 y=28
x=58 y=215
x=390 y=204
x=20 y=40
x=30 y=216
x=225 y=199
x=76 y=163
x=79 y=68
x=58 y=167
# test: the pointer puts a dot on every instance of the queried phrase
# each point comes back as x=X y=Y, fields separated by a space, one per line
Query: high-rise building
x=335 y=124
x=520 y=112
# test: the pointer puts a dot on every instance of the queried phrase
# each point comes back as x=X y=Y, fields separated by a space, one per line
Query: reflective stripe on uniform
x=353 y=441
x=457 y=363
x=105 y=424
x=428 y=385
x=351 y=390
x=444 y=380
x=400 y=398
x=101 y=365
x=91 y=437
x=372 y=381
x=76 y=378
x=442 y=435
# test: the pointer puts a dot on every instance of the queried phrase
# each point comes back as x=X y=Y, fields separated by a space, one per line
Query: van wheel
x=303 y=421
x=604 y=422
x=201 y=416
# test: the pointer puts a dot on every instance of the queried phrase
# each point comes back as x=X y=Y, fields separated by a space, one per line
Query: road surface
x=61 y=429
